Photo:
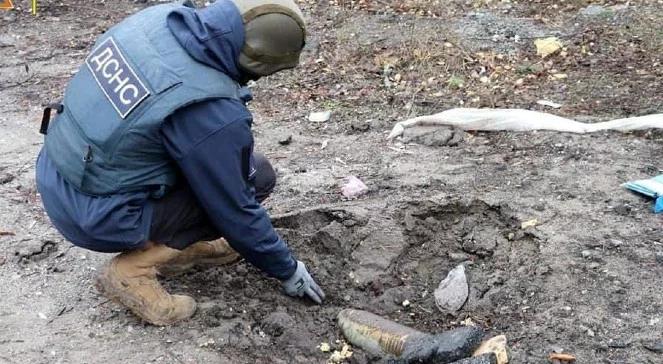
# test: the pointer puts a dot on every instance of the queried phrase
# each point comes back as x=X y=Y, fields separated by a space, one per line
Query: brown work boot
x=130 y=279
x=203 y=254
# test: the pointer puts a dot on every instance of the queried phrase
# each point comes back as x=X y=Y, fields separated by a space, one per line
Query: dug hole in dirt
x=558 y=257
x=387 y=261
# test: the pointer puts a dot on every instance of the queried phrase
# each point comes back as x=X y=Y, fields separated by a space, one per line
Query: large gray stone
x=451 y=294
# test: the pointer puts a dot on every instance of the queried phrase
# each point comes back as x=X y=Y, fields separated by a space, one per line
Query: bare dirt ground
x=586 y=279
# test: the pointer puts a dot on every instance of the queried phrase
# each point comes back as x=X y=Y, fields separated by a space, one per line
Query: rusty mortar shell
x=402 y=344
x=375 y=334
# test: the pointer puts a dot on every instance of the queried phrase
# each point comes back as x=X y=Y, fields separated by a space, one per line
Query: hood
x=213 y=35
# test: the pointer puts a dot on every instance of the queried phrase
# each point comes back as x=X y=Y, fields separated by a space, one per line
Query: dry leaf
x=529 y=223
x=562 y=357
x=547 y=46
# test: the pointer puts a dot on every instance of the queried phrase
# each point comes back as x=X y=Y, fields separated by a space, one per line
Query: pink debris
x=354 y=187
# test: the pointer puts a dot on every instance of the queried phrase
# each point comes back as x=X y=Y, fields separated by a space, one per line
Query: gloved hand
x=301 y=283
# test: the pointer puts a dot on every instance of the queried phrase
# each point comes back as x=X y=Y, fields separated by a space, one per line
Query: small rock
x=654 y=345
x=6 y=178
x=206 y=343
x=618 y=343
x=360 y=126
x=10 y=17
x=276 y=323
x=482 y=242
x=406 y=303
x=325 y=348
x=489 y=358
x=496 y=345
x=529 y=223
x=354 y=187
x=542 y=270
x=616 y=243
x=481 y=247
x=451 y=294
x=623 y=209
x=458 y=257
x=349 y=223
x=319 y=117
x=659 y=257
x=595 y=10
x=377 y=287
x=286 y=141
x=586 y=254
x=557 y=349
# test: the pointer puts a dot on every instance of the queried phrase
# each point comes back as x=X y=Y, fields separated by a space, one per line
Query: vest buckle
x=88 y=155
x=46 y=118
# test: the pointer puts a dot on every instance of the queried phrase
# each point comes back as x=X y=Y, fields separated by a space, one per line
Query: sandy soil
x=584 y=280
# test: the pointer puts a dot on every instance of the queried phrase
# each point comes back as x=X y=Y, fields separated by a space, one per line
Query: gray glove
x=301 y=284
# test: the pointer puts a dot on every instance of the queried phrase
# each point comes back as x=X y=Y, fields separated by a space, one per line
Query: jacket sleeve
x=212 y=144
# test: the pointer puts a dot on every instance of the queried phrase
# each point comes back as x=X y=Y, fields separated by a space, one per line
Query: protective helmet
x=275 y=36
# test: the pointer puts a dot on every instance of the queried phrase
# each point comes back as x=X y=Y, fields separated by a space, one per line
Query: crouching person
x=151 y=155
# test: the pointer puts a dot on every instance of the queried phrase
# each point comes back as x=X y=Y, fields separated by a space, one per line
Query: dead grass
x=609 y=67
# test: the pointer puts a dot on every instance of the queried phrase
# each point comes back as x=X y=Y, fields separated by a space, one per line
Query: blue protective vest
x=107 y=139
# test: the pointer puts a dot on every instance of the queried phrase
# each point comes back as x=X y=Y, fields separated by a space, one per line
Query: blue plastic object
x=652 y=187
x=658 y=208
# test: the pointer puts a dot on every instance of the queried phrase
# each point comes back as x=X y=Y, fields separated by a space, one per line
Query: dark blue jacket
x=211 y=142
